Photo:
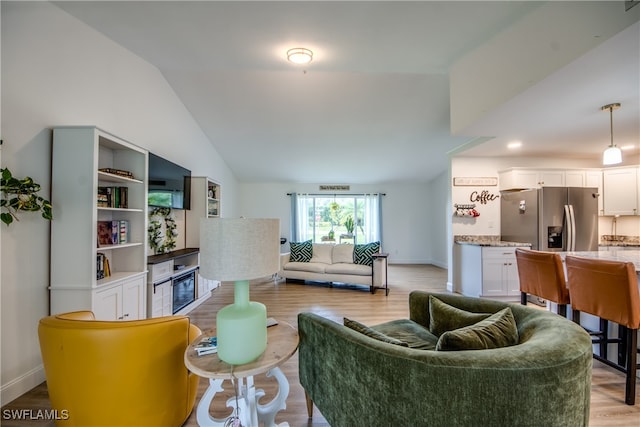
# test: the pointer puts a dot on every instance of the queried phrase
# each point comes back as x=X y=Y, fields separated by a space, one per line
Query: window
x=336 y=219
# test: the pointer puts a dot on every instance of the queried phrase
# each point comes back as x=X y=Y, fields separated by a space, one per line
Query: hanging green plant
x=21 y=195
x=162 y=230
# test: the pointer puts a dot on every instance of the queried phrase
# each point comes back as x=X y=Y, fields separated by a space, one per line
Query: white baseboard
x=440 y=264
x=19 y=386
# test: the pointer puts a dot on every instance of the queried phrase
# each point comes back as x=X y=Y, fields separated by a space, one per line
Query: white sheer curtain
x=300 y=229
x=372 y=221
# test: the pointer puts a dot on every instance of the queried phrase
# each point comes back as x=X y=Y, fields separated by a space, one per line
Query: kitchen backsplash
x=610 y=240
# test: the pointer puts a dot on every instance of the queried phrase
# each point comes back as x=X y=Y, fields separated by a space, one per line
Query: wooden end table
x=282 y=343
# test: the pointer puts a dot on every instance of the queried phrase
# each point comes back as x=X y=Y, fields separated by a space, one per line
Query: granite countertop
x=625 y=256
x=487 y=241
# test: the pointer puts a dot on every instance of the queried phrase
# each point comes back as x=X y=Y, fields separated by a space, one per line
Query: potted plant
x=348 y=224
x=21 y=195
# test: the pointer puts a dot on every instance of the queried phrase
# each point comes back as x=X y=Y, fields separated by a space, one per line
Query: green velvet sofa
x=355 y=380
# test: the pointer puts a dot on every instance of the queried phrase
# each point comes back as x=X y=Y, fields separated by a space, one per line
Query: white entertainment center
x=99 y=233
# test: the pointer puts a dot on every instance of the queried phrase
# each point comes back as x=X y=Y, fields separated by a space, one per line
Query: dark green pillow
x=444 y=317
x=301 y=251
x=362 y=253
x=497 y=330
x=372 y=333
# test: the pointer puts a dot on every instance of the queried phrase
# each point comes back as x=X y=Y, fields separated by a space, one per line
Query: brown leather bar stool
x=609 y=290
x=541 y=274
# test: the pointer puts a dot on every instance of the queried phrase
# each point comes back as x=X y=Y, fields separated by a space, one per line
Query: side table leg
x=202 y=413
x=252 y=402
x=267 y=413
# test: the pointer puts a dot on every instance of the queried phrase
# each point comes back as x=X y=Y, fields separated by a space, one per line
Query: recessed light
x=514 y=144
x=627 y=147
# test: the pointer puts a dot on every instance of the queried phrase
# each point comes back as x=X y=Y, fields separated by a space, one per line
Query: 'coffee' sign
x=482 y=197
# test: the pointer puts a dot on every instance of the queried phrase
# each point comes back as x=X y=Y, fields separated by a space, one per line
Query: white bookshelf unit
x=78 y=154
x=205 y=203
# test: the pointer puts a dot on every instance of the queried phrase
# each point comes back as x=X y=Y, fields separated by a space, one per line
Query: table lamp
x=240 y=250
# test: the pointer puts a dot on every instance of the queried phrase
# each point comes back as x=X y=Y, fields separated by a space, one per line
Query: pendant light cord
x=611 y=121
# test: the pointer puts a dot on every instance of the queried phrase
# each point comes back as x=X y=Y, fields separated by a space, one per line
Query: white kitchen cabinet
x=620 y=188
x=593 y=178
x=499 y=272
x=489 y=272
x=575 y=178
x=97 y=180
x=124 y=301
x=531 y=178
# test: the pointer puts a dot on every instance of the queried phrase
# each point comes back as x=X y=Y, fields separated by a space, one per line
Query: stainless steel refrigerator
x=551 y=218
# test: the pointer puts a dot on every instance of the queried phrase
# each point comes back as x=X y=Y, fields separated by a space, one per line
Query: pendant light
x=612 y=155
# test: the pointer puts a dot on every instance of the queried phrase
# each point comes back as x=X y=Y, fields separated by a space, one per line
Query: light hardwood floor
x=285 y=300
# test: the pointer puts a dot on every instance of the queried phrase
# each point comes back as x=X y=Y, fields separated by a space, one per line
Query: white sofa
x=329 y=263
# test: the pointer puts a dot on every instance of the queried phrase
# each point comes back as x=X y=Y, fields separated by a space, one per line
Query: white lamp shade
x=239 y=249
x=612 y=156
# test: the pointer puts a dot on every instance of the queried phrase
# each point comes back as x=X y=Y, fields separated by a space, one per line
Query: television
x=169 y=184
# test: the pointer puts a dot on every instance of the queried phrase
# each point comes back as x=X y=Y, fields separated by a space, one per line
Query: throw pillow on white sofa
x=321 y=253
x=343 y=253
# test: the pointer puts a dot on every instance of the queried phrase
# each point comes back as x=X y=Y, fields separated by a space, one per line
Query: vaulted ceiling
x=373 y=105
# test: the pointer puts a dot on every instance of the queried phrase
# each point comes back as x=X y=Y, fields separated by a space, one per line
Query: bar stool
x=541 y=274
x=609 y=290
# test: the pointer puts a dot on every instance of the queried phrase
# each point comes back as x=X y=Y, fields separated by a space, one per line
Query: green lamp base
x=241 y=328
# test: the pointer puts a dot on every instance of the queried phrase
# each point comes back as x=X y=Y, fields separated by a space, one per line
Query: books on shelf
x=113 y=197
x=113 y=232
x=124 y=231
x=102 y=266
x=118 y=172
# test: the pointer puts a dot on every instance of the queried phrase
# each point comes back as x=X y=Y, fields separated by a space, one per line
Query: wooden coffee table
x=282 y=343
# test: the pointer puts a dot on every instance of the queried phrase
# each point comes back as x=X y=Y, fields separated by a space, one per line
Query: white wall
x=440 y=225
x=58 y=71
x=411 y=224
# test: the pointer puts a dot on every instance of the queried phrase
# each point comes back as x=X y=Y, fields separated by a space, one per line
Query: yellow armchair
x=129 y=373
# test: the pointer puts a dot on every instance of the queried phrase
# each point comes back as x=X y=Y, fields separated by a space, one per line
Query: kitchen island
x=485 y=266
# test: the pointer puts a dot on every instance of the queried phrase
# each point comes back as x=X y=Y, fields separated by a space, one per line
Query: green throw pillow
x=301 y=251
x=362 y=253
x=497 y=330
x=444 y=317
x=372 y=333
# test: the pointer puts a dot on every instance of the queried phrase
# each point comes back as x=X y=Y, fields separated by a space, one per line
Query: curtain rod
x=341 y=194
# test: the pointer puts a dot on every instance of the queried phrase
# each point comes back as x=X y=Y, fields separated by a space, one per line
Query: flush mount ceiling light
x=299 y=55
x=612 y=155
